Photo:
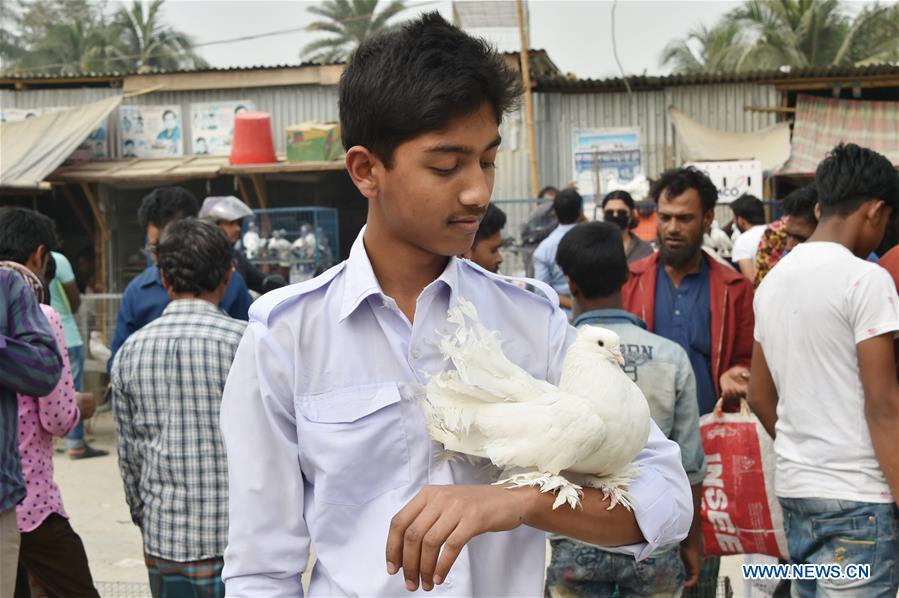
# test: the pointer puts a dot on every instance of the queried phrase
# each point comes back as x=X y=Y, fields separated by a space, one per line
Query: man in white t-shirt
x=749 y=217
x=824 y=379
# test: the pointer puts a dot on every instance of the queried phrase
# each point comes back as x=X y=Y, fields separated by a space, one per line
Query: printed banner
x=605 y=158
x=212 y=126
x=733 y=177
x=151 y=131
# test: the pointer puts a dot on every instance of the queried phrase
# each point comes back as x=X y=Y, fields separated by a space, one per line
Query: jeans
x=581 y=570
x=75 y=439
x=844 y=532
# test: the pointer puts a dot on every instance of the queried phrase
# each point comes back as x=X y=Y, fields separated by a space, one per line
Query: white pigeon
x=585 y=432
x=98 y=349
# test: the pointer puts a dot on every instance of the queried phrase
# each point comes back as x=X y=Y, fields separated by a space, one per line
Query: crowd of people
x=250 y=430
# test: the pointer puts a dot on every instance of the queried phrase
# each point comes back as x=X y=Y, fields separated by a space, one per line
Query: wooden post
x=103 y=235
x=528 y=105
x=245 y=195
x=78 y=214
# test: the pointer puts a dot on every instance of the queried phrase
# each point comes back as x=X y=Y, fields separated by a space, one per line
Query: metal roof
x=119 y=74
x=541 y=66
x=656 y=82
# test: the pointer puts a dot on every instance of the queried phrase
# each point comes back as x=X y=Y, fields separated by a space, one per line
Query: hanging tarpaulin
x=822 y=123
x=33 y=148
x=770 y=146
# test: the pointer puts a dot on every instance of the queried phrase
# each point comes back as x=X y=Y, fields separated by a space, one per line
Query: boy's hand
x=448 y=517
x=87 y=404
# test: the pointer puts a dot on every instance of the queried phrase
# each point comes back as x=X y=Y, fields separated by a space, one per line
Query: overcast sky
x=576 y=34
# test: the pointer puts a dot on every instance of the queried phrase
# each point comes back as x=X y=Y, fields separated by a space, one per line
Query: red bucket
x=252 y=142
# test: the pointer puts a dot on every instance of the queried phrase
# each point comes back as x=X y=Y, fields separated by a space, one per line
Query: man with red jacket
x=692 y=299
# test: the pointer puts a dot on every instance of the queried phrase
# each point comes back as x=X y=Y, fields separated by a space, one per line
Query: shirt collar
x=361 y=282
x=191 y=306
x=151 y=277
x=608 y=316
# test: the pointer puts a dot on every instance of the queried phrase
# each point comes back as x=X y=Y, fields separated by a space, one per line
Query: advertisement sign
x=733 y=177
x=605 y=157
x=212 y=126
x=151 y=131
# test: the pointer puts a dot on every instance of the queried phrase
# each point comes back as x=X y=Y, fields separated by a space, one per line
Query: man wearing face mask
x=618 y=208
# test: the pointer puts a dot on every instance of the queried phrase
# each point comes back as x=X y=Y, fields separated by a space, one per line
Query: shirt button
x=416 y=354
x=677 y=312
x=448 y=583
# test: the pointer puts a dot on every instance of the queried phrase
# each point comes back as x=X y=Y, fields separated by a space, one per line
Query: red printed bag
x=740 y=513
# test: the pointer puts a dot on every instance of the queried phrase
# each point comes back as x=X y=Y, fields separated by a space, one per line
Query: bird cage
x=294 y=242
x=96 y=319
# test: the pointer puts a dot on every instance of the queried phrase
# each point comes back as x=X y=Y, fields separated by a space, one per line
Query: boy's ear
x=572 y=286
x=361 y=164
x=877 y=210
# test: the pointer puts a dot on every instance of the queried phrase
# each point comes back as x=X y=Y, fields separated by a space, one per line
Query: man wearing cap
x=228 y=213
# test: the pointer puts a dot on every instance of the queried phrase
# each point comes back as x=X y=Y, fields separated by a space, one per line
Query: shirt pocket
x=355 y=443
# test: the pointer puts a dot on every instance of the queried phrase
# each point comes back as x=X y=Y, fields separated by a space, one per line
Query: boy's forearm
x=592 y=523
x=883 y=421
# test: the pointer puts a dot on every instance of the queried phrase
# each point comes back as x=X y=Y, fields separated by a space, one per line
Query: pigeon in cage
x=279 y=247
x=251 y=241
x=584 y=432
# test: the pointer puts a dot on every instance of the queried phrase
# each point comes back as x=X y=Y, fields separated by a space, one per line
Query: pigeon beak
x=619 y=358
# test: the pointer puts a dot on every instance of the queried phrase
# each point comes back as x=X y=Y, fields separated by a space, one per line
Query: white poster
x=151 y=131
x=93 y=147
x=605 y=158
x=212 y=126
x=733 y=177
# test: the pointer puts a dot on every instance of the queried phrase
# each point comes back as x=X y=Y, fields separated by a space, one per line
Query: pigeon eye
x=601 y=344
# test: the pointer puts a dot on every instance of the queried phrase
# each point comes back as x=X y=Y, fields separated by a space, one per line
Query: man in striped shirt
x=167 y=383
x=30 y=362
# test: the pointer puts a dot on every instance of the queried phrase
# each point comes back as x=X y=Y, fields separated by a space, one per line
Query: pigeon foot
x=613 y=487
x=565 y=491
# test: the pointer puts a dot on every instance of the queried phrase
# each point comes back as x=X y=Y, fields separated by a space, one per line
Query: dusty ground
x=93 y=496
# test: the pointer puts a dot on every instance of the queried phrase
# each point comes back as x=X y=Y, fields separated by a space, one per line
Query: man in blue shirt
x=592 y=257
x=145 y=298
x=568 y=206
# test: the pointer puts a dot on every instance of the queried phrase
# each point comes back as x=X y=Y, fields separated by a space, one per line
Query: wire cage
x=294 y=242
x=96 y=320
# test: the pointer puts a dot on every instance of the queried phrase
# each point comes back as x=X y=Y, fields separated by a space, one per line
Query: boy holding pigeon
x=322 y=446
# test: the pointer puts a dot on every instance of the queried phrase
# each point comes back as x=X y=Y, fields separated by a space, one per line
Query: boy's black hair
x=22 y=231
x=619 y=194
x=678 y=180
x=416 y=78
x=194 y=255
x=547 y=189
x=592 y=255
x=165 y=204
x=749 y=207
x=851 y=175
x=493 y=221
x=172 y=112
x=801 y=203
x=568 y=205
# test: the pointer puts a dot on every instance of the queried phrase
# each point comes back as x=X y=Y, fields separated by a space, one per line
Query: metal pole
x=528 y=105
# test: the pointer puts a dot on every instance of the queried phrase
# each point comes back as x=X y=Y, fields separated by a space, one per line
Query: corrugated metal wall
x=556 y=114
x=288 y=105
x=717 y=106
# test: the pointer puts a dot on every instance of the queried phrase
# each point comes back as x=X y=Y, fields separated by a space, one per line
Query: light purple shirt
x=40 y=419
x=323 y=449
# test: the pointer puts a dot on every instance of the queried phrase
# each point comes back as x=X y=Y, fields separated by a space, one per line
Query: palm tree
x=350 y=22
x=146 y=43
x=770 y=34
x=719 y=49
